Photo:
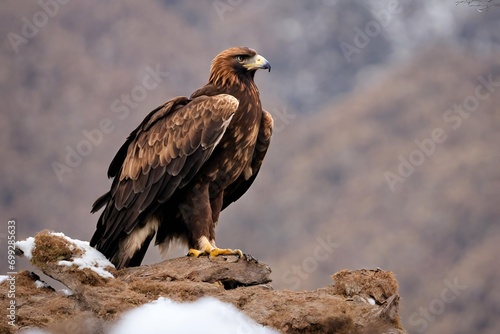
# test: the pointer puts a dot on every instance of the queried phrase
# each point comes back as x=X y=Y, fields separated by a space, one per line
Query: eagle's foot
x=208 y=247
x=195 y=253
x=213 y=253
x=221 y=251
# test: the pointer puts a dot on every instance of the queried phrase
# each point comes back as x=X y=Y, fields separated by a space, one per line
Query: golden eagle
x=185 y=163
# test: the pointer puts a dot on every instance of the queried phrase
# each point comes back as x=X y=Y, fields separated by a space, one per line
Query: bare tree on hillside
x=482 y=5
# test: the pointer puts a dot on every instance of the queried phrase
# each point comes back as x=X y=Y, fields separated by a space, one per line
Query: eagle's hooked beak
x=257 y=62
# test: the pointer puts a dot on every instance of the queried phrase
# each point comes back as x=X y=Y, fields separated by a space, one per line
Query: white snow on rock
x=39 y=284
x=206 y=315
x=66 y=292
x=33 y=331
x=26 y=246
x=90 y=258
x=3 y=278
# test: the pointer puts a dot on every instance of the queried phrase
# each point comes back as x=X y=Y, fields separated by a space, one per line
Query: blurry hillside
x=321 y=202
x=441 y=223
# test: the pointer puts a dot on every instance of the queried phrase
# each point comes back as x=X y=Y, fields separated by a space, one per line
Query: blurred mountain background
x=385 y=152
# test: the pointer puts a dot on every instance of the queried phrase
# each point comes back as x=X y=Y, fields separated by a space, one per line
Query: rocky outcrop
x=360 y=301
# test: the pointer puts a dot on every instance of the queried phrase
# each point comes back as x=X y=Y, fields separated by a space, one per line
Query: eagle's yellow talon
x=239 y=253
x=195 y=253
x=209 y=248
x=221 y=251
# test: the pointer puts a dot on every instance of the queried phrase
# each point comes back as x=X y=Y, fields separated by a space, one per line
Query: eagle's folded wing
x=160 y=156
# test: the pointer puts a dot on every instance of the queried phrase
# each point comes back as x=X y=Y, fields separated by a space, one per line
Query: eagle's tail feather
x=100 y=202
x=121 y=260
x=129 y=250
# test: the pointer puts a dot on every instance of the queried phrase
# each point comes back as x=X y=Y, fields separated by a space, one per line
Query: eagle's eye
x=240 y=59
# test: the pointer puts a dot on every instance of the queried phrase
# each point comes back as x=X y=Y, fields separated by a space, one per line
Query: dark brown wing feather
x=241 y=185
x=169 y=107
x=163 y=154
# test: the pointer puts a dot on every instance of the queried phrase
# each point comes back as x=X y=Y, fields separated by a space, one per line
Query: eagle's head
x=236 y=64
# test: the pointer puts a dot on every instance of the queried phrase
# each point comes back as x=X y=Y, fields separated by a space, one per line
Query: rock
x=360 y=301
x=230 y=271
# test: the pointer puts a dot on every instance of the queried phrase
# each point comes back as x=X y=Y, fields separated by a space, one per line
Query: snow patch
x=27 y=247
x=3 y=278
x=90 y=258
x=33 y=331
x=166 y=316
x=39 y=284
x=66 y=292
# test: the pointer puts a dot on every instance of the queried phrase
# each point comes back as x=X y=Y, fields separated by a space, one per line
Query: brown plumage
x=188 y=160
